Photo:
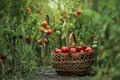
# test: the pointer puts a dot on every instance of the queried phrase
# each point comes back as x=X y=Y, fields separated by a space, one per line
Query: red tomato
x=82 y=51
x=49 y=31
x=64 y=49
x=89 y=49
x=73 y=50
x=84 y=47
x=79 y=48
x=46 y=41
x=57 y=51
x=79 y=12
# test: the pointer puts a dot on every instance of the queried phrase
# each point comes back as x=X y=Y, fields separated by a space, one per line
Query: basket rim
x=85 y=53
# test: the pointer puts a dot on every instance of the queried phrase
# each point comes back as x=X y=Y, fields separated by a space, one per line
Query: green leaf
x=64 y=34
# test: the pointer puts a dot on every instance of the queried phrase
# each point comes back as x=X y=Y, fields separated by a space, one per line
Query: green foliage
x=91 y=27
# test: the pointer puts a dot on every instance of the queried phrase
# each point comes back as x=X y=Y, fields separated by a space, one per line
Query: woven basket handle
x=71 y=36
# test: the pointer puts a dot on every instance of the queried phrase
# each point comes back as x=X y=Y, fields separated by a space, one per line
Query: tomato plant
x=31 y=29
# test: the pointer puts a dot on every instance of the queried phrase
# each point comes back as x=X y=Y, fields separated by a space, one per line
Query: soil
x=50 y=74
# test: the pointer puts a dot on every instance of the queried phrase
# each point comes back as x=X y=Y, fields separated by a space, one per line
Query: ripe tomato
x=39 y=41
x=89 y=49
x=72 y=50
x=49 y=31
x=79 y=12
x=79 y=48
x=46 y=41
x=57 y=51
x=44 y=24
x=84 y=47
x=64 y=49
x=82 y=51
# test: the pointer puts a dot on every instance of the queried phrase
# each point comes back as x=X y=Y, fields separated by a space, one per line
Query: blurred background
x=20 y=29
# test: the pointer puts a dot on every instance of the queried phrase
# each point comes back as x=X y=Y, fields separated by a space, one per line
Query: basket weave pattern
x=77 y=63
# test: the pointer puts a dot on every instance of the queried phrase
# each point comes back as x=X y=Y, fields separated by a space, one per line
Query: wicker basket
x=72 y=64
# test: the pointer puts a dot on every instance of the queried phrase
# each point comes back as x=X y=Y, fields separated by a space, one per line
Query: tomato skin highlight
x=72 y=50
x=82 y=51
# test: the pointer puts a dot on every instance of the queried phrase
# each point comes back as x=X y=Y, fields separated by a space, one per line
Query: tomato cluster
x=45 y=29
x=79 y=49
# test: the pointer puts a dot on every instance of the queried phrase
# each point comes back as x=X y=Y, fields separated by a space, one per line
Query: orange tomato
x=44 y=24
x=46 y=41
x=49 y=31
x=39 y=41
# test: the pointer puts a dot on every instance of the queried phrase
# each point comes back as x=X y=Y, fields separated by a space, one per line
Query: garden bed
x=50 y=74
